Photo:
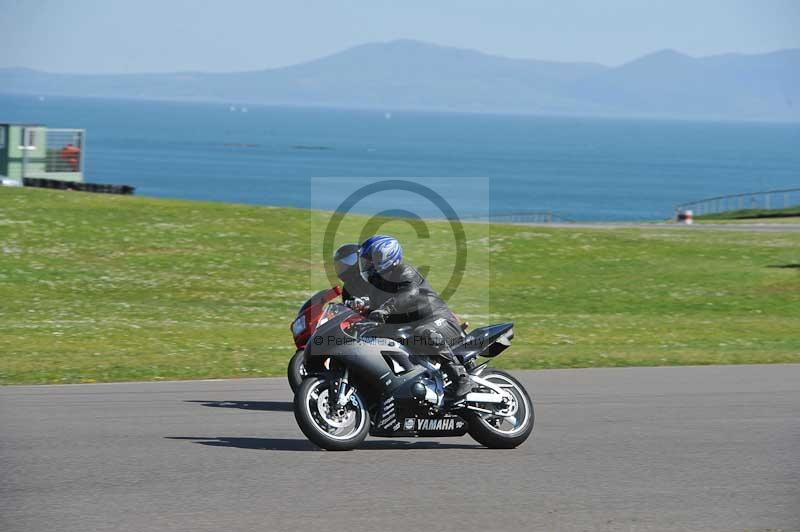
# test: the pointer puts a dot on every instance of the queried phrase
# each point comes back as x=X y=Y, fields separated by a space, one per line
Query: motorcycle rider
x=354 y=287
x=401 y=295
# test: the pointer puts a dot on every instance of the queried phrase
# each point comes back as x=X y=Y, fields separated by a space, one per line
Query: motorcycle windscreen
x=331 y=311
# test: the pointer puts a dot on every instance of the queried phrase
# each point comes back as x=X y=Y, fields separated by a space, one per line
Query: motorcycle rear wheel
x=497 y=431
x=334 y=431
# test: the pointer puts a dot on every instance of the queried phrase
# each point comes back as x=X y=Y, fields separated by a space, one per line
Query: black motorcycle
x=362 y=378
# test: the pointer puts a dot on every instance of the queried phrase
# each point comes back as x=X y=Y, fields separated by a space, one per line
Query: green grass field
x=111 y=288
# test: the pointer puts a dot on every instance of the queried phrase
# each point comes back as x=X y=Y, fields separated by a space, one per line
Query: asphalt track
x=693 y=448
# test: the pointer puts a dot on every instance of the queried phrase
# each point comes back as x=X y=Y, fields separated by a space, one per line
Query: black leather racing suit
x=408 y=299
x=354 y=285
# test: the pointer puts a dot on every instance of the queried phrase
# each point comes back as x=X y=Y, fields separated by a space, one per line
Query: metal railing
x=47 y=152
x=65 y=150
x=767 y=199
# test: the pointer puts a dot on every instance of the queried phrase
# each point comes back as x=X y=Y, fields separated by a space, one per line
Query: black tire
x=296 y=370
x=487 y=435
x=312 y=429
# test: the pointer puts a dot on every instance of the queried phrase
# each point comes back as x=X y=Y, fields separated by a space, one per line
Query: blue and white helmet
x=379 y=253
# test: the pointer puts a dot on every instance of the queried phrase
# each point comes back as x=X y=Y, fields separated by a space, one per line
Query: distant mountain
x=407 y=74
x=668 y=83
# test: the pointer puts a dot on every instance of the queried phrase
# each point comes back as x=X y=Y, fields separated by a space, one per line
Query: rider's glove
x=379 y=315
x=359 y=304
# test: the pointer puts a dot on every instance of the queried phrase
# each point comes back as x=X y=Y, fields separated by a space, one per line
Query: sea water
x=579 y=168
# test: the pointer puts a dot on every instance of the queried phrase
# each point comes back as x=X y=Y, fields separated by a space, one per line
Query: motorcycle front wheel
x=296 y=371
x=503 y=426
x=331 y=426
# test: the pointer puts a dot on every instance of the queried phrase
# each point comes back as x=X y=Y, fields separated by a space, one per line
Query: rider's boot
x=460 y=377
x=450 y=363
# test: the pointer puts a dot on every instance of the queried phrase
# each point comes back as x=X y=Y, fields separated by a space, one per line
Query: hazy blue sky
x=164 y=35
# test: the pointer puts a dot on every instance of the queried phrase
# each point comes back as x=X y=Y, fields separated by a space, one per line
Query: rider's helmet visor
x=367 y=266
x=346 y=263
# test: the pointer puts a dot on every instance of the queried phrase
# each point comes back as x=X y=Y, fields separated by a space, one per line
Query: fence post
x=23 y=147
x=82 y=158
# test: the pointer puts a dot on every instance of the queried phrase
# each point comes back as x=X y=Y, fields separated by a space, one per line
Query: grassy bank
x=108 y=288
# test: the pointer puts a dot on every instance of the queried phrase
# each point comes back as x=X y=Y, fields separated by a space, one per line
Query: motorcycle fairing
x=412 y=427
x=364 y=357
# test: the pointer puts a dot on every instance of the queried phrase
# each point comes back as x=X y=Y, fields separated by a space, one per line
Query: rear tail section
x=487 y=342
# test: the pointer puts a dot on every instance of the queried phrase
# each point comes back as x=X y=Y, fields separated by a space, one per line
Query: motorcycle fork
x=342 y=394
x=338 y=394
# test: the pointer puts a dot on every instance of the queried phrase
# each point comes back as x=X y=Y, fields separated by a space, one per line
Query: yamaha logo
x=448 y=423
x=443 y=424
